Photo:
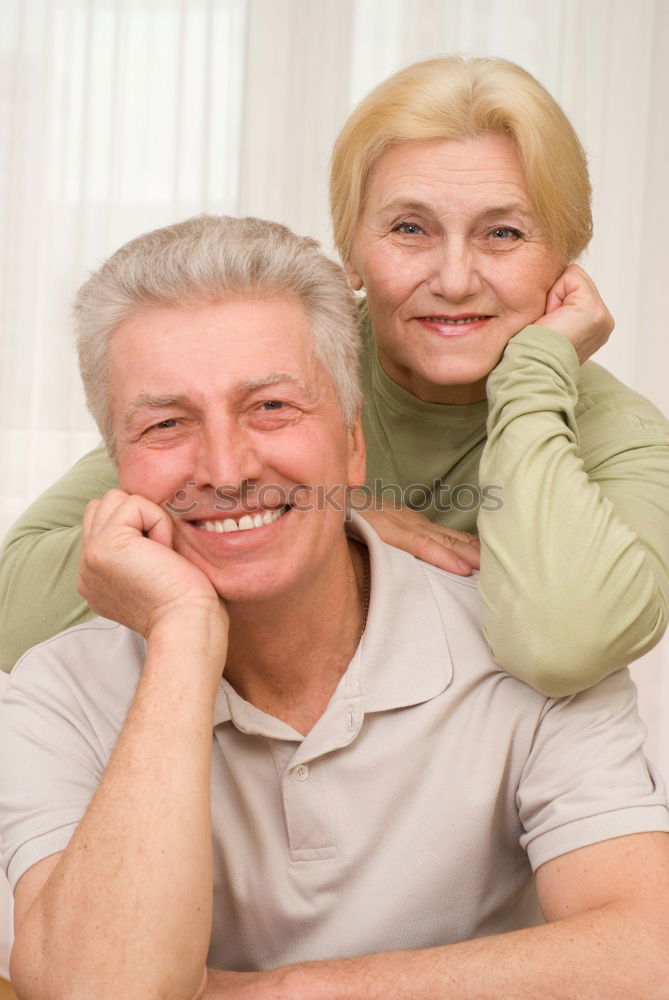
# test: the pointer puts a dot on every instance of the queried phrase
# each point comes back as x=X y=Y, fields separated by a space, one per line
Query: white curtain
x=117 y=117
x=120 y=115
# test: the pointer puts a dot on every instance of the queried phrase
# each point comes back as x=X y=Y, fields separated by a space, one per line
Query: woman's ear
x=356 y=279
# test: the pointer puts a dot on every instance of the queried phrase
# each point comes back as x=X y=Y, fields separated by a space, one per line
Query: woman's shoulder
x=602 y=394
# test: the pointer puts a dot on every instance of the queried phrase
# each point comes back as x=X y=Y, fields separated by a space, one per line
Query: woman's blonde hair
x=457 y=98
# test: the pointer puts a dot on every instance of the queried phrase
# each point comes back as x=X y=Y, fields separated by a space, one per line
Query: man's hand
x=575 y=309
x=449 y=549
x=129 y=571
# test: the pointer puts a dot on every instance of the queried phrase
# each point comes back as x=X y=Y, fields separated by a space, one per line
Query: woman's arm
x=38 y=595
x=574 y=575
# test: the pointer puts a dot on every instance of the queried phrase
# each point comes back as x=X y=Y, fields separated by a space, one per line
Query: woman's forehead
x=415 y=174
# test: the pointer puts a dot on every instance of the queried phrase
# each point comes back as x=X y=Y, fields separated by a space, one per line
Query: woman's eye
x=505 y=234
x=408 y=228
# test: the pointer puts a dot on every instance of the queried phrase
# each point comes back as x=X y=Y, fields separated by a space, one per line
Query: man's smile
x=245 y=522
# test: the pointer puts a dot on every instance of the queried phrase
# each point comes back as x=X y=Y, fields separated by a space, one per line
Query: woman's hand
x=574 y=309
x=449 y=549
x=129 y=571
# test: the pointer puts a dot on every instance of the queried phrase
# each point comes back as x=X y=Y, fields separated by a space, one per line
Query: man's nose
x=455 y=274
x=227 y=458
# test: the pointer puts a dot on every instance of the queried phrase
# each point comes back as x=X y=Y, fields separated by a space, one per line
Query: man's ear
x=356 y=279
x=356 y=454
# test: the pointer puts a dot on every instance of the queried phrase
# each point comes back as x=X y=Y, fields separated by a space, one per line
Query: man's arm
x=38 y=562
x=125 y=909
x=608 y=907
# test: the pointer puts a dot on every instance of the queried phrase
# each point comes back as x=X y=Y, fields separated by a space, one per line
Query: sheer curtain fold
x=119 y=116
x=296 y=98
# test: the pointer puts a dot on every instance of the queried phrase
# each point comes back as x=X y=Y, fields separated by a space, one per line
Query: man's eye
x=272 y=404
x=165 y=425
x=408 y=228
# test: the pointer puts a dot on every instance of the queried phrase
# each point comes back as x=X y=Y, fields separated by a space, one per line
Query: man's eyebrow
x=147 y=401
x=274 y=378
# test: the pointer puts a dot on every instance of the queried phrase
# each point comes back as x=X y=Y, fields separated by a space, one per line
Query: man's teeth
x=245 y=523
x=455 y=322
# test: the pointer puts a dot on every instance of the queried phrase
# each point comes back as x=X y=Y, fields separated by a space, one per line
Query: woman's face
x=453 y=262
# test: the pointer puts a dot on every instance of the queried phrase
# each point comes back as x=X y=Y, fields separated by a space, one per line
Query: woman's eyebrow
x=508 y=208
x=406 y=205
x=409 y=206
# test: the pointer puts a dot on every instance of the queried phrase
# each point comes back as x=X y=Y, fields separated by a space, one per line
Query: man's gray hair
x=217 y=258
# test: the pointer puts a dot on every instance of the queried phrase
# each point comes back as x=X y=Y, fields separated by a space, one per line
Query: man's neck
x=287 y=657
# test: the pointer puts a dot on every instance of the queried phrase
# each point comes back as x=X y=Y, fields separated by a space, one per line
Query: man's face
x=224 y=415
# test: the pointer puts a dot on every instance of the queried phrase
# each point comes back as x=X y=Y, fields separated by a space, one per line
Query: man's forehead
x=234 y=347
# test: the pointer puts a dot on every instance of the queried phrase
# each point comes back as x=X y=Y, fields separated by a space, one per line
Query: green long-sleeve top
x=564 y=472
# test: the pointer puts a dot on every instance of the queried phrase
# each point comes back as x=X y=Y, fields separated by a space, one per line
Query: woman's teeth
x=455 y=322
x=245 y=523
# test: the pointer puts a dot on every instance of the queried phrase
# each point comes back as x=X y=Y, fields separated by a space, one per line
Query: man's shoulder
x=438 y=613
x=95 y=665
x=409 y=575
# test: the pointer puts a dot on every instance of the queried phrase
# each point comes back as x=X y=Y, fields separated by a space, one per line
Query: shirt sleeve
x=575 y=556
x=586 y=779
x=60 y=719
x=50 y=766
x=38 y=563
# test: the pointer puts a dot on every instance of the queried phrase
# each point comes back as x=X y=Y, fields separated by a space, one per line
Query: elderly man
x=298 y=716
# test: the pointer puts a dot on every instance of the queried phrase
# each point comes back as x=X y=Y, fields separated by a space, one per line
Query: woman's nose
x=455 y=276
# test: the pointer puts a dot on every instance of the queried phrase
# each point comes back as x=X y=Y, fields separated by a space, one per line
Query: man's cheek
x=182 y=501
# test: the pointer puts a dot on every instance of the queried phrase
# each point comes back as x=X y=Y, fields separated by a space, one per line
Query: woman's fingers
x=575 y=309
x=448 y=548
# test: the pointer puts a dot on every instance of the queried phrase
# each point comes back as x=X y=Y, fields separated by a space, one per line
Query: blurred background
x=117 y=116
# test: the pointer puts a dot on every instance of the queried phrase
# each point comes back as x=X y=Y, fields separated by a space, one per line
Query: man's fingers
x=88 y=519
x=99 y=512
x=117 y=509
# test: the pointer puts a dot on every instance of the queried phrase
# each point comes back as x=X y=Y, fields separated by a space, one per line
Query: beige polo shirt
x=411 y=815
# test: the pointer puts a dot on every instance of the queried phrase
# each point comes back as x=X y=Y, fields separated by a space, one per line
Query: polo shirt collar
x=402 y=659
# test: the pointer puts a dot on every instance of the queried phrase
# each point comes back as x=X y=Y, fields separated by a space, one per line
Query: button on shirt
x=411 y=815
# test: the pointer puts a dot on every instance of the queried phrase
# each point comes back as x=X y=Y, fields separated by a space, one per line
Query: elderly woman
x=460 y=199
